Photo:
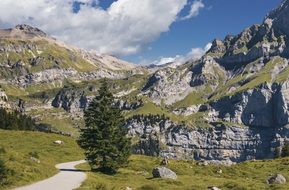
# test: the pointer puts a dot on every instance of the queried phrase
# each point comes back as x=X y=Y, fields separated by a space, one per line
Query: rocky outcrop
x=70 y=100
x=218 y=143
x=264 y=106
x=3 y=100
x=126 y=105
x=170 y=85
x=280 y=18
x=207 y=72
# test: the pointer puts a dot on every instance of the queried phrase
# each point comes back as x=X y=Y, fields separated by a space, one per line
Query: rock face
x=217 y=143
x=163 y=172
x=264 y=106
x=277 y=179
x=70 y=100
x=280 y=18
x=229 y=106
x=168 y=85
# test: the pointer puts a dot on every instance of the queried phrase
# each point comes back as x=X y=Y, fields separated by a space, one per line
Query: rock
x=59 y=142
x=3 y=100
x=163 y=172
x=220 y=171
x=213 y=188
x=71 y=100
x=280 y=18
x=203 y=163
x=168 y=85
x=278 y=179
x=128 y=188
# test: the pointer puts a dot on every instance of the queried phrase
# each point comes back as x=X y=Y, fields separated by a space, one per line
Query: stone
x=128 y=188
x=203 y=163
x=220 y=171
x=59 y=142
x=163 y=172
x=277 y=179
x=213 y=188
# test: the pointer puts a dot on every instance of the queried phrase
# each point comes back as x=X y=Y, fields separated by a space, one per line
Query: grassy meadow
x=251 y=175
x=17 y=148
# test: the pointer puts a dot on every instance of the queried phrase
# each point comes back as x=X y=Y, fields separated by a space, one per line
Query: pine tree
x=103 y=138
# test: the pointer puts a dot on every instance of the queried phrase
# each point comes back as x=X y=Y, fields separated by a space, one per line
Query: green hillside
x=18 y=148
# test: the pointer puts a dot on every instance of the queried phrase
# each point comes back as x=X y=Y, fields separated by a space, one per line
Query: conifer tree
x=104 y=138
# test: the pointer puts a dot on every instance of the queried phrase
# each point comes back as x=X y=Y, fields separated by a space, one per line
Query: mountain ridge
x=229 y=106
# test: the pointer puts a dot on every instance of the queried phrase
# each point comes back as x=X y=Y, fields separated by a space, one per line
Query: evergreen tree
x=104 y=139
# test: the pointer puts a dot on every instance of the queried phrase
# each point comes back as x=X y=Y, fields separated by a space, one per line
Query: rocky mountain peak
x=30 y=30
x=23 y=32
x=280 y=17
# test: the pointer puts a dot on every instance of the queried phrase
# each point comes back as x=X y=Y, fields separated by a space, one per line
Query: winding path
x=68 y=178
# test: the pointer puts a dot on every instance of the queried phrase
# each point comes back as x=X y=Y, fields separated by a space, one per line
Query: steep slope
x=229 y=106
x=236 y=106
x=35 y=66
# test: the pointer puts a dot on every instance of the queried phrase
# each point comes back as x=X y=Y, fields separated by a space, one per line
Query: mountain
x=229 y=106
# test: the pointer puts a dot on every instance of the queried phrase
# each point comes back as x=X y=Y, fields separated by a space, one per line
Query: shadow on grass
x=73 y=170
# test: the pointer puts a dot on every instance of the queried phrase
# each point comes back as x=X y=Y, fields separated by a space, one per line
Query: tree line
x=14 y=120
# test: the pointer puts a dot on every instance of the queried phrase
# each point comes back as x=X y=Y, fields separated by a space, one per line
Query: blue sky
x=216 y=20
x=140 y=31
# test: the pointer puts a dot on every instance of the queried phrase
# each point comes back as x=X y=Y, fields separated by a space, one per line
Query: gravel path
x=68 y=178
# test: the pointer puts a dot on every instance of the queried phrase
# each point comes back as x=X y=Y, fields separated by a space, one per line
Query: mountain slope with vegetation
x=229 y=106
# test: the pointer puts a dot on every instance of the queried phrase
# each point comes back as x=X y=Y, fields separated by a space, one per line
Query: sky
x=139 y=31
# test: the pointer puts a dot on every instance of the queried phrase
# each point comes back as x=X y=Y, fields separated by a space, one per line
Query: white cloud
x=165 y=60
x=194 y=54
x=195 y=8
x=124 y=28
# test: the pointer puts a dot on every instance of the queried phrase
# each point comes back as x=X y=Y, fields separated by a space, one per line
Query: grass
x=194 y=98
x=19 y=146
x=58 y=119
x=244 y=176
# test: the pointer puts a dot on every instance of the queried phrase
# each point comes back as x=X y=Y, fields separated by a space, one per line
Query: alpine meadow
x=144 y=95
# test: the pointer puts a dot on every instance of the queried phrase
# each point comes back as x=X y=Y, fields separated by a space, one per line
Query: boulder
x=278 y=179
x=163 y=172
x=213 y=188
x=58 y=142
